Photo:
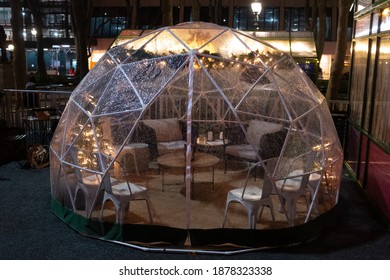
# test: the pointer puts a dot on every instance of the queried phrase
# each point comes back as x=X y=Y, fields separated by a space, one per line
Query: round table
x=215 y=147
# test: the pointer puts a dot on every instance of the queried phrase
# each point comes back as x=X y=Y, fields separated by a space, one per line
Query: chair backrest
x=297 y=178
x=305 y=181
x=73 y=154
x=102 y=165
x=106 y=178
x=268 y=184
x=291 y=170
x=234 y=134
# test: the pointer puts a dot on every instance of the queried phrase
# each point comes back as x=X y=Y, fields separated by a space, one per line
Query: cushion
x=271 y=144
x=122 y=189
x=166 y=129
x=251 y=193
x=170 y=147
x=94 y=179
x=292 y=184
x=234 y=135
x=257 y=129
x=243 y=151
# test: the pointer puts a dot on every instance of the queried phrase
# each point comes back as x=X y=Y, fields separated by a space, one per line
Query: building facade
x=111 y=17
x=367 y=149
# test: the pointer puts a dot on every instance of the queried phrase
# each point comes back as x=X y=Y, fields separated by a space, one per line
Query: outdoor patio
x=358 y=233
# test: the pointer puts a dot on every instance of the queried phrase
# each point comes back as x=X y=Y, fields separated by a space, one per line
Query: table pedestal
x=177 y=160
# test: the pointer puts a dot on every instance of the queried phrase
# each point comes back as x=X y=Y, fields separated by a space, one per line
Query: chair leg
x=87 y=202
x=261 y=212
x=149 y=211
x=119 y=216
x=252 y=219
x=225 y=214
x=262 y=209
x=271 y=207
x=282 y=206
x=116 y=205
x=291 y=206
x=101 y=211
x=88 y=207
x=121 y=211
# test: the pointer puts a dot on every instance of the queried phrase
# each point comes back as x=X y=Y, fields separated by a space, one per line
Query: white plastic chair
x=290 y=189
x=253 y=198
x=89 y=185
x=121 y=193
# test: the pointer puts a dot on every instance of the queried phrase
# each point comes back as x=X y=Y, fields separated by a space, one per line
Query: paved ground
x=28 y=229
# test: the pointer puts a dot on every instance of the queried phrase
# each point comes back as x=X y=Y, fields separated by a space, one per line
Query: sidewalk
x=28 y=229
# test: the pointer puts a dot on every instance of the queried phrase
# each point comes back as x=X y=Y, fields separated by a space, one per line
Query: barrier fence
x=35 y=111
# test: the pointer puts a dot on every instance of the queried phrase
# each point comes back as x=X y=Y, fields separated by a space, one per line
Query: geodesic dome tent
x=165 y=126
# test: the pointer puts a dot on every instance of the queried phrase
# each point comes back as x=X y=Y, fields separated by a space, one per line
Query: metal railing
x=338 y=107
x=16 y=105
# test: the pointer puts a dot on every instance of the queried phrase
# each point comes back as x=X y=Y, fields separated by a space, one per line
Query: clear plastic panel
x=89 y=96
x=164 y=44
x=264 y=100
x=64 y=186
x=173 y=101
x=75 y=122
x=194 y=38
x=139 y=42
x=58 y=136
x=55 y=169
x=119 y=96
x=293 y=85
x=116 y=129
x=83 y=186
x=149 y=77
x=120 y=53
x=267 y=54
x=331 y=182
x=329 y=132
x=235 y=79
x=86 y=142
x=230 y=47
x=202 y=83
x=209 y=106
x=105 y=64
x=310 y=127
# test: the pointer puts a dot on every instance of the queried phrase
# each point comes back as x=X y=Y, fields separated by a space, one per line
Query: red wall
x=378 y=180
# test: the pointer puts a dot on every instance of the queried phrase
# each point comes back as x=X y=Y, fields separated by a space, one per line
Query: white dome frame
x=239 y=78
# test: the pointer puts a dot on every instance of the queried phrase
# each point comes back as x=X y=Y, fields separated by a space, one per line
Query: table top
x=213 y=143
x=178 y=160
